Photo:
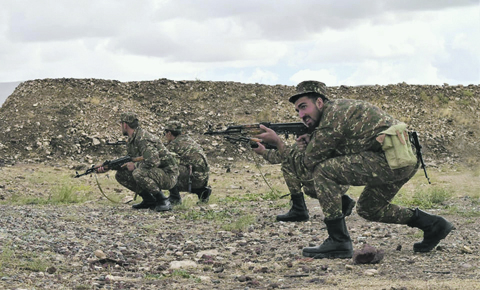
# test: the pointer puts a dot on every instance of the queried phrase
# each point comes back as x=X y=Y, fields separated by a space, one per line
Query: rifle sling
x=101 y=190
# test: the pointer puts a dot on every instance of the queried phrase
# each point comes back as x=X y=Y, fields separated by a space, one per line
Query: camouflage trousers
x=140 y=179
x=332 y=178
x=199 y=179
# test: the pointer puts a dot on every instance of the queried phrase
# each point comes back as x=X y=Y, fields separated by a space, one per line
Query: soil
x=98 y=244
x=60 y=232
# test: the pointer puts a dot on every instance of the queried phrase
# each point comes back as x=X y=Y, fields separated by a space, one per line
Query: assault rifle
x=286 y=129
x=110 y=165
x=418 y=148
x=251 y=141
x=116 y=143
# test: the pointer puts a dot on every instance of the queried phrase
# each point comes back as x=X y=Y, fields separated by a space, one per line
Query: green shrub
x=6 y=256
x=240 y=224
x=425 y=198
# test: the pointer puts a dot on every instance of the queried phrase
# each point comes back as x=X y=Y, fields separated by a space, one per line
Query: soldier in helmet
x=147 y=178
x=352 y=143
x=193 y=164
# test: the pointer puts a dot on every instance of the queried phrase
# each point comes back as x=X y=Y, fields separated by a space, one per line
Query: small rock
x=213 y=252
x=51 y=270
x=368 y=255
x=183 y=264
x=100 y=254
x=466 y=250
x=466 y=266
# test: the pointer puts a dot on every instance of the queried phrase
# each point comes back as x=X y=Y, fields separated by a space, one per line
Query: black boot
x=337 y=245
x=174 y=196
x=203 y=193
x=435 y=228
x=162 y=204
x=347 y=205
x=298 y=212
x=148 y=201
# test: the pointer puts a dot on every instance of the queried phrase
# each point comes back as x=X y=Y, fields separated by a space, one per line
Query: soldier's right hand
x=302 y=142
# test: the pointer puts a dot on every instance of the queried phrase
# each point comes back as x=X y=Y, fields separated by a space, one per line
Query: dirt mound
x=71 y=119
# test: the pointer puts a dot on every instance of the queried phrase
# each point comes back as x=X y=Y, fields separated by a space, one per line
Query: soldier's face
x=309 y=111
x=169 y=136
x=124 y=129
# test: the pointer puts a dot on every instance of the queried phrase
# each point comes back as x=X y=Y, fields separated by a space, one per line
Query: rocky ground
x=57 y=232
x=233 y=242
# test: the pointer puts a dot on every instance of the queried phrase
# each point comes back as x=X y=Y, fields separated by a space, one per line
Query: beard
x=310 y=123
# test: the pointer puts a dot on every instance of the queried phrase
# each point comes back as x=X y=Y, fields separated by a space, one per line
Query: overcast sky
x=339 y=42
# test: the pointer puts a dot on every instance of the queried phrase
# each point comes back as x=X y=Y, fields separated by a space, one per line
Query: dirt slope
x=71 y=119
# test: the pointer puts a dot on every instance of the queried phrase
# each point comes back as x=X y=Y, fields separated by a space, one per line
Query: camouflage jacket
x=346 y=127
x=155 y=154
x=189 y=152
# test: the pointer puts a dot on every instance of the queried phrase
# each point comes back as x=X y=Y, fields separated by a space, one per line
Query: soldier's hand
x=271 y=137
x=101 y=169
x=129 y=165
x=260 y=150
x=302 y=142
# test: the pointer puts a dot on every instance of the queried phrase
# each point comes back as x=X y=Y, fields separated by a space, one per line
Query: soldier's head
x=309 y=100
x=130 y=119
x=173 y=129
x=311 y=89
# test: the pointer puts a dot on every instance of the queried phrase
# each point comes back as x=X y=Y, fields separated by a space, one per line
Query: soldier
x=353 y=143
x=147 y=178
x=193 y=165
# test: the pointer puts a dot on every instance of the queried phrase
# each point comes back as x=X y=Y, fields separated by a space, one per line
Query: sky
x=338 y=42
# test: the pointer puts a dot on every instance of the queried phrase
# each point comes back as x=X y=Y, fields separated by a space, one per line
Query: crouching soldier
x=193 y=164
x=158 y=171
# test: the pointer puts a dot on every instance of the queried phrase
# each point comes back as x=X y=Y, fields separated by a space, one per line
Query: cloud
x=322 y=75
x=250 y=41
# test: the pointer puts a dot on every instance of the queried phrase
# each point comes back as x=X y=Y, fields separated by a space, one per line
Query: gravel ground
x=101 y=245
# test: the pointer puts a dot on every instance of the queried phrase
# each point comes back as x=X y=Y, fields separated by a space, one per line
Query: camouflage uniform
x=158 y=170
x=350 y=146
x=294 y=184
x=343 y=151
x=190 y=153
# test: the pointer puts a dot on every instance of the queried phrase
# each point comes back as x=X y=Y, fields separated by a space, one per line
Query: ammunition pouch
x=397 y=147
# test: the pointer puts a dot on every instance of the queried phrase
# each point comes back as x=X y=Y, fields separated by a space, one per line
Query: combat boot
x=298 y=212
x=174 y=196
x=337 y=245
x=347 y=205
x=148 y=201
x=435 y=228
x=162 y=202
x=203 y=193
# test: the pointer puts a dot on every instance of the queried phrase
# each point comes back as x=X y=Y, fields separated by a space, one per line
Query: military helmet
x=308 y=87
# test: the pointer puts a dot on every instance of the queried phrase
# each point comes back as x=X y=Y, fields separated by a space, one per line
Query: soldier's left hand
x=260 y=150
x=269 y=136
